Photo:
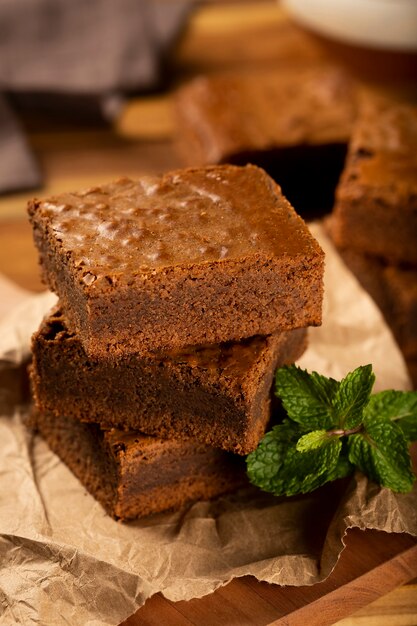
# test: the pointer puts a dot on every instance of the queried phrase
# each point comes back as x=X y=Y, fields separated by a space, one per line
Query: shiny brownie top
x=185 y=218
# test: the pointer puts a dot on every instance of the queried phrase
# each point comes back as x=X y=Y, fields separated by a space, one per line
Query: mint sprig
x=332 y=428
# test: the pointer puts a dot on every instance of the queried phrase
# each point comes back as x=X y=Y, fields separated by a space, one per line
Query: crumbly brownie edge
x=80 y=447
x=56 y=273
x=251 y=299
x=179 y=473
x=264 y=297
x=287 y=348
x=124 y=480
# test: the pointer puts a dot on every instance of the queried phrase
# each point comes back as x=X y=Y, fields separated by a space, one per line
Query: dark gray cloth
x=18 y=167
x=87 y=48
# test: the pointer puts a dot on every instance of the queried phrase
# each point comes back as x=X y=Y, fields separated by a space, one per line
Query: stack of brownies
x=179 y=297
x=374 y=222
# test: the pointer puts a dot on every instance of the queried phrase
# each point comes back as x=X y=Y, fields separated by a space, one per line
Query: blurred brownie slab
x=218 y=394
x=412 y=370
x=196 y=256
x=14 y=386
x=376 y=207
x=401 y=285
x=394 y=290
x=293 y=122
x=133 y=475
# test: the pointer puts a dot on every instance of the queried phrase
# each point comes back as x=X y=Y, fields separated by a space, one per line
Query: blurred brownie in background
x=294 y=122
x=394 y=290
x=376 y=201
x=374 y=222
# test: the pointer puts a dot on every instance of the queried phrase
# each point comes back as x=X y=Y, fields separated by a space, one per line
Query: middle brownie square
x=218 y=394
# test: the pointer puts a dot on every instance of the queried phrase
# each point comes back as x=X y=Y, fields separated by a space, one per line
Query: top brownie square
x=196 y=256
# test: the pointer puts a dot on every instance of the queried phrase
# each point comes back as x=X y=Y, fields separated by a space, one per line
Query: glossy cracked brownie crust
x=197 y=256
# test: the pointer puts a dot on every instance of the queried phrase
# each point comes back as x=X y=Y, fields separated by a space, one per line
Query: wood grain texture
x=397 y=608
x=372 y=564
x=18 y=257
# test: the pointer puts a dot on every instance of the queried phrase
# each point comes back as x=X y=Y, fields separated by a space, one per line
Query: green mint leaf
x=312 y=441
x=381 y=452
x=342 y=469
x=276 y=465
x=307 y=398
x=305 y=471
x=264 y=464
x=302 y=472
x=331 y=428
x=353 y=395
x=397 y=406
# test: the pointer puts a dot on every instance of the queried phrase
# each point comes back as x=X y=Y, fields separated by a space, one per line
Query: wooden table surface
x=221 y=34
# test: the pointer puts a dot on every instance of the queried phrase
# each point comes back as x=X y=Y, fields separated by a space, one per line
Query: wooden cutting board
x=373 y=564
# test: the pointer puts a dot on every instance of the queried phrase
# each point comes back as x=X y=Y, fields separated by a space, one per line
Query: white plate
x=386 y=24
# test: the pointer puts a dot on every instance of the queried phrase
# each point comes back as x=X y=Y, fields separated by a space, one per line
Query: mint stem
x=340 y=432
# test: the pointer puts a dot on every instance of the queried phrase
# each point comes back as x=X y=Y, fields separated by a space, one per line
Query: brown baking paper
x=63 y=560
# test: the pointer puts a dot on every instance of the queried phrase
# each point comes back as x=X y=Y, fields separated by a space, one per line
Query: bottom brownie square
x=133 y=475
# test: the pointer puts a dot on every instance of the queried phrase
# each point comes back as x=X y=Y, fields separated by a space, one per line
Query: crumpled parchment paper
x=63 y=560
